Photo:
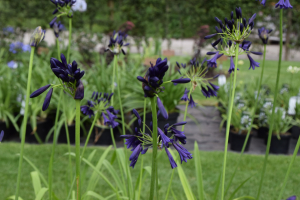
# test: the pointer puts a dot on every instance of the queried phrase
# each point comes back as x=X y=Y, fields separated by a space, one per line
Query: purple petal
x=39 y=91
x=47 y=100
x=162 y=109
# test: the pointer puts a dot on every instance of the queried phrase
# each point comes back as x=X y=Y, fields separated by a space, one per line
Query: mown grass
x=211 y=164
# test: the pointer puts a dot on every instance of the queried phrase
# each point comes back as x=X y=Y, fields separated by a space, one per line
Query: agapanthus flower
x=185 y=96
x=264 y=34
x=153 y=80
x=8 y=29
x=292 y=198
x=196 y=73
x=253 y=63
x=12 y=64
x=280 y=4
x=63 y=7
x=140 y=142
x=57 y=28
x=263 y=2
x=16 y=47
x=116 y=43
x=231 y=31
x=100 y=102
x=1 y=135
x=37 y=36
x=70 y=80
x=231 y=68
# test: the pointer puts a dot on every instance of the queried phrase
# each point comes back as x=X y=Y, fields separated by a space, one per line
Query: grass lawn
x=211 y=164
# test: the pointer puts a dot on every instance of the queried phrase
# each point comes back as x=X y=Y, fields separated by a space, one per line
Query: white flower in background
x=80 y=6
x=293 y=70
x=240 y=62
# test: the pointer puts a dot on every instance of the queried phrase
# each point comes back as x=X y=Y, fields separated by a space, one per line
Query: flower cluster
x=63 y=6
x=293 y=70
x=281 y=4
x=101 y=103
x=232 y=33
x=140 y=142
x=70 y=78
x=153 y=80
x=196 y=73
x=57 y=28
x=264 y=34
x=17 y=47
x=1 y=135
x=116 y=43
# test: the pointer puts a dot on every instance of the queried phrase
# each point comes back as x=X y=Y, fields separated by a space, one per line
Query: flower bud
x=37 y=36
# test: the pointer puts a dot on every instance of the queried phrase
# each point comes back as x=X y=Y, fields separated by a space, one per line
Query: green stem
x=186 y=109
x=273 y=112
x=90 y=133
x=142 y=158
x=77 y=146
x=23 y=133
x=70 y=168
x=289 y=169
x=50 y=169
x=229 y=120
x=70 y=39
x=58 y=49
x=113 y=78
x=154 y=137
x=252 y=119
x=169 y=186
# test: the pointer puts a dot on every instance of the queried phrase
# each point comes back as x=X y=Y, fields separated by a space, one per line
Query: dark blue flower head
x=264 y=34
x=183 y=152
x=185 y=96
x=63 y=7
x=116 y=43
x=280 y=4
x=1 y=135
x=253 y=63
x=57 y=28
x=213 y=61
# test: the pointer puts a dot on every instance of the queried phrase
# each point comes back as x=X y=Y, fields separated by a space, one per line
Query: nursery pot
x=237 y=141
x=9 y=132
x=62 y=138
x=295 y=131
x=43 y=127
x=280 y=146
x=262 y=132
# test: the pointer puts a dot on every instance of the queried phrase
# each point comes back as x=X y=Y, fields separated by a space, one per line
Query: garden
x=149 y=100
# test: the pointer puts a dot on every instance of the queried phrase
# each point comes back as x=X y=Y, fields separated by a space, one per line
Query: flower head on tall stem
x=57 y=28
x=37 y=36
x=264 y=34
x=70 y=80
x=101 y=103
x=116 y=43
x=140 y=142
x=63 y=7
x=153 y=80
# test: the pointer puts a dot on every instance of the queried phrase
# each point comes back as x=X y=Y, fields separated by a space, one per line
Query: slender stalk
x=182 y=129
x=70 y=39
x=142 y=157
x=23 y=133
x=229 y=120
x=252 y=119
x=70 y=170
x=154 y=136
x=50 y=169
x=77 y=146
x=273 y=111
x=113 y=78
x=90 y=133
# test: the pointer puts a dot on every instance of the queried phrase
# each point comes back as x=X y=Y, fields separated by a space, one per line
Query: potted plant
x=240 y=123
x=262 y=119
x=280 y=137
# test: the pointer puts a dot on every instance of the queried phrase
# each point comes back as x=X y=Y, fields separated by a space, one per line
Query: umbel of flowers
x=70 y=80
x=140 y=142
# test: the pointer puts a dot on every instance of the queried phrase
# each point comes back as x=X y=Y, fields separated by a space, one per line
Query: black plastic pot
x=262 y=132
x=237 y=141
x=161 y=121
x=280 y=146
x=43 y=127
x=62 y=138
x=9 y=132
x=105 y=137
x=295 y=131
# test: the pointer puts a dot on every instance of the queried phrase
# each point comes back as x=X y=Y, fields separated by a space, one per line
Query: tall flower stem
x=273 y=111
x=289 y=169
x=70 y=39
x=229 y=120
x=154 y=136
x=90 y=133
x=142 y=157
x=77 y=146
x=182 y=129
x=252 y=119
x=23 y=133
x=50 y=169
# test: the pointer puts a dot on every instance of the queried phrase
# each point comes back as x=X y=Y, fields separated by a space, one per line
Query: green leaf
x=41 y=193
x=184 y=182
x=238 y=188
x=36 y=182
x=217 y=187
x=198 y=169
x=245 y=198
x=95 y=195
x=14 y=197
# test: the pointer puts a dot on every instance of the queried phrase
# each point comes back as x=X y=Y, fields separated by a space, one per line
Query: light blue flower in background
x=12 y=64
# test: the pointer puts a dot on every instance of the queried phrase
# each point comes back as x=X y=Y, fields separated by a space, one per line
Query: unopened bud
x=37 y=36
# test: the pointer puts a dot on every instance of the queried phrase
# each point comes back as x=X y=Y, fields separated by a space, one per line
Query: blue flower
x=253 y=63
x=292 y=198
x=162 y=109
x=280 y=4
x=116 y=43
x=264 y=34
x=47 y=99
x=8 y=29
x=263 y=2
x=183 y=152
x=185 y=95
x=16 y=47
x=57 y=28
x=63 y=6
x=12 y=64
x=191 y=102
x=1 y=135
x=287 y=4
x=213 y=61
x=231 y=68
x=171 y=159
